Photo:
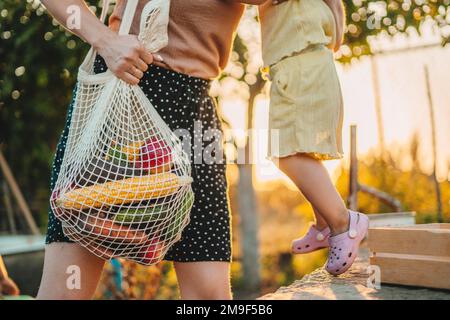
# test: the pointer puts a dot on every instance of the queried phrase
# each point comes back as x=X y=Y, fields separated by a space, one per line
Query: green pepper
x=117 y=155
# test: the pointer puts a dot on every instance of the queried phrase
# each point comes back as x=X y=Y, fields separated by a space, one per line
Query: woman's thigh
x=70 y=272
x=204 y=280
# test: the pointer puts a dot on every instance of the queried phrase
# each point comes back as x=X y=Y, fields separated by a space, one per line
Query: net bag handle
x=105 y=8
x=85 y=71
x=127 y=18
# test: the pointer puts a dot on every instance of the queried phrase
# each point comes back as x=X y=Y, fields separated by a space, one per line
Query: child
x=306 y=110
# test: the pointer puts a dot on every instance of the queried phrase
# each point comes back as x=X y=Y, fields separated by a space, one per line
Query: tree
x=38 y=63
x=369 y=18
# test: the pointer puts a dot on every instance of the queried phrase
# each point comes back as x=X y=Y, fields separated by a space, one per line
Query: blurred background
x=395 y=73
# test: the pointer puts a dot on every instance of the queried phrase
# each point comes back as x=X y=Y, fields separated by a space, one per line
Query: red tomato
x=152 y=252
x=154 y=154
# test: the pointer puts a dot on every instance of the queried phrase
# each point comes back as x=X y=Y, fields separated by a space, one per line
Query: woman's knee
x=70 y=272
x=204 y=280
x=206 y=292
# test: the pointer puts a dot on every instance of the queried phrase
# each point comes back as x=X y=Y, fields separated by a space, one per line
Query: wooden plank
x=423 y=271
x=9 y=208
x=392 y=219
x=435 y=226
x=425 y=240
x=18 y=195
x=382 y=196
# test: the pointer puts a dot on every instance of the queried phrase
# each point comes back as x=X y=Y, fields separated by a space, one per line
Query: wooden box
x=417 y=255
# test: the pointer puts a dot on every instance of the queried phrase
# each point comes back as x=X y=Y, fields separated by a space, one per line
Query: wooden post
x=18 y=195
x=377 y=95
x=9 y=208
x=353 y=183
x=434 y=146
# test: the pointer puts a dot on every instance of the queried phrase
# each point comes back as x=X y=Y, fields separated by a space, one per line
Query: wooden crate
x=417 y=255
x=392 y=219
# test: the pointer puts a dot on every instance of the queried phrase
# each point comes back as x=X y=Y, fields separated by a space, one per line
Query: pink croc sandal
x=312 y=241
x=344 y=246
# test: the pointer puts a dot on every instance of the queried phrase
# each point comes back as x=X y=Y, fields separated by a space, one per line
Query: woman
x=200 y=38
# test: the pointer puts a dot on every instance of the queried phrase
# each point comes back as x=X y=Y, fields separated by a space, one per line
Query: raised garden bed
x=416 y=255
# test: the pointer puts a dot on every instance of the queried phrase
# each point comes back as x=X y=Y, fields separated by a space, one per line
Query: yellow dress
x=306 y=107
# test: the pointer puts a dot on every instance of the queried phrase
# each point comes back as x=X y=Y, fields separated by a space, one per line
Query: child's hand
x=337 y=8
x=8 y=287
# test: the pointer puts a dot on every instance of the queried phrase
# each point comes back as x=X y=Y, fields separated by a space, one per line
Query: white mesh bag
x=124 y=188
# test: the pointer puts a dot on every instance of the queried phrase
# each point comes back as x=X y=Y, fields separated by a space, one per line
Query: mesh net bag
x=124 y=188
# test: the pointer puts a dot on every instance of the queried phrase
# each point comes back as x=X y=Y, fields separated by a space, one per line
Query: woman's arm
x=124 y=55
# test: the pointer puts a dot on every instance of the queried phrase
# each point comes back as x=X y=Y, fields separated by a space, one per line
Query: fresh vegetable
x=133 y=150
x=100 y=171
x=97 y=227
x=122 y=191
x=139 y=215
x=152 y=213
x=155 y=155
x=152 y=252
x=178 y=222
x=117 y=155
x=97 y=249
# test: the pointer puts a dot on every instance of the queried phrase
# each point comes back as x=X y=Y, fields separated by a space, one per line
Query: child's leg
x=311 y=177
x=320 y=221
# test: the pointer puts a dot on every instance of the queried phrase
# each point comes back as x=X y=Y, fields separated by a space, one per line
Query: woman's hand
x=125 y=56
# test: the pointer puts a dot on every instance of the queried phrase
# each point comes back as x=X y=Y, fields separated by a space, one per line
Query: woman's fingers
x=129 y=78
x=158 y=57
x=145 y=55
x=141 y=65
x=136 y=72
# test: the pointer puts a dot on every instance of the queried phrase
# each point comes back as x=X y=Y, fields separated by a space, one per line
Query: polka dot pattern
x=180 y=100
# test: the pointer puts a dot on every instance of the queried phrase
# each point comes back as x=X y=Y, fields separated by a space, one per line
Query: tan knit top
x=200 y=34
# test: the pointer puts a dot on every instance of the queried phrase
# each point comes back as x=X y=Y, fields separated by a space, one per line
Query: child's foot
x=312 y=241
x=344 y=247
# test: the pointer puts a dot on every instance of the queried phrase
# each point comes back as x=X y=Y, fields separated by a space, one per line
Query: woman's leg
x=70 y=272
x=311 y=177
x=204 y=280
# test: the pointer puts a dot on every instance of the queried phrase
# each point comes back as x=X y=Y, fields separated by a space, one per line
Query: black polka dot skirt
x=182 y=101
